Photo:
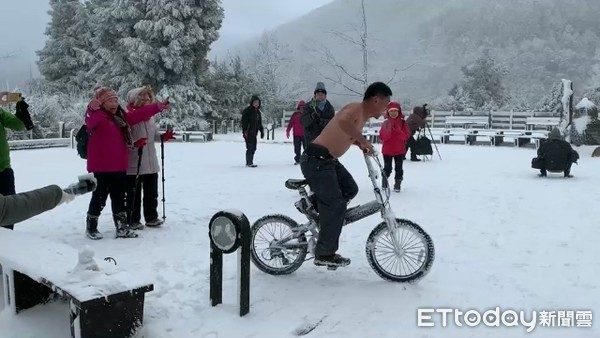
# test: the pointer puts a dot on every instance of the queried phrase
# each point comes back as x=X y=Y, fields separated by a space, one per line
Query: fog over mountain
x=538 y=41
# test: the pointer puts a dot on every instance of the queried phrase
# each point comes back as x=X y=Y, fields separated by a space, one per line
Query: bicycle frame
x=352 y=215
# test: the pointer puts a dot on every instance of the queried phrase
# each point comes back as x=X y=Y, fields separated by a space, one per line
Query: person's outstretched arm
x=22 y=206
x=19 y=207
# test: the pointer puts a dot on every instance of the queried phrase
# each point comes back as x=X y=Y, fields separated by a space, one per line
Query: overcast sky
x=22 y=24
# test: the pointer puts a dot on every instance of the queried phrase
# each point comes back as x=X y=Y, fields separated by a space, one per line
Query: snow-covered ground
x=504 y=237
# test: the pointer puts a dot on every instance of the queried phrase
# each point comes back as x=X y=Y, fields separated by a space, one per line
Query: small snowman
x=86 y=260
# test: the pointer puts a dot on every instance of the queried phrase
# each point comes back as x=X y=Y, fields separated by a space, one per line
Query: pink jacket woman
x=110 y=137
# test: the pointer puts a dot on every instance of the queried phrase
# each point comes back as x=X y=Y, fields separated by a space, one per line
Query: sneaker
x=332 y=260
x=136 y=226
x=251 y=165
x=155 y=223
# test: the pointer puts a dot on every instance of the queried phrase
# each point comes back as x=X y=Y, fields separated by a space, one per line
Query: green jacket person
x=7 y=176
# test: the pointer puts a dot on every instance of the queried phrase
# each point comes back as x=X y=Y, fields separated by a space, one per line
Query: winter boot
x=414 y=158
x=91 y=227
x=154 y=223
x=397 y=185
x=123 y=230
x=331 y=261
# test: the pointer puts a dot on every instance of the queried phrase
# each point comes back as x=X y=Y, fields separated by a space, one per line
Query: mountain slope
x=539 y=41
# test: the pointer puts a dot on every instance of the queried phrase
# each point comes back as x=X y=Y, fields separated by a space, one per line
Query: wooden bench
x=108 y=302
x=467 y=121
x=547 y=122
x=187 y=136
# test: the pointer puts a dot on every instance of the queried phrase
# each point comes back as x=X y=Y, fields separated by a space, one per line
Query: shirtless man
x=331 y=183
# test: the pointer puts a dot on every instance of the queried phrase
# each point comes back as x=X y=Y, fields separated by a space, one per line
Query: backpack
x=82 y=141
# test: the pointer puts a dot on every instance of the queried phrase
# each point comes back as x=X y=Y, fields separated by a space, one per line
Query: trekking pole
x=139 y=144
x=432 y=140
x=162 y=168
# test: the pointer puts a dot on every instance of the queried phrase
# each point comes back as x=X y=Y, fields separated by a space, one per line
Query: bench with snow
x=467 y=121
x=521 y=137
x=103 y=301
x=372 y=135
x=548 y=122
x=187 y=136
x=469 y=135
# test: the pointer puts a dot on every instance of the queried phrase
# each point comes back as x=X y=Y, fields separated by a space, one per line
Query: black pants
x=250 y=148
x=333 y=187
x=113 y=184
x=298 y=147
x=387 y=166
x=147 y=186
x=567 y=170
x=7 y=186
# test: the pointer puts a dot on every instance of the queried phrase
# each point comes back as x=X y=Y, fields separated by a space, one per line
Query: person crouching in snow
x=147 y=181
x=107 y=157
x=296 y=126
x=394 y=134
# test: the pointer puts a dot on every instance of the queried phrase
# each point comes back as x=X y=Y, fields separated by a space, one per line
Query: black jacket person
x=251 y=126
x=316 y=114
x=556 y=155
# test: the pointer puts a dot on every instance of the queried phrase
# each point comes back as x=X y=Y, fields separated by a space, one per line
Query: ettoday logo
x=509 y=318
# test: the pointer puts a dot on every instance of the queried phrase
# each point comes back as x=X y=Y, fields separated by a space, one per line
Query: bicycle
x=290 y=245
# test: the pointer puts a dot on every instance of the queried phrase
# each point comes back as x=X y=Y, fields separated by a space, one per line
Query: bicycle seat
x=295 y=184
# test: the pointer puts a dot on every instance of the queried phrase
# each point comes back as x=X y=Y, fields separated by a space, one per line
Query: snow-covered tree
x=482 y=84
x=113 y=26
x=170 y=53
x=63 y=61
x=231 y=87
x=269 y=68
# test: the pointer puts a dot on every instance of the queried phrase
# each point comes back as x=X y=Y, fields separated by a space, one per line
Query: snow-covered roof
x=585 y=103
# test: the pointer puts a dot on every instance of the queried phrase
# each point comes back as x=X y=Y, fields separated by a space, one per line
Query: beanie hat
x=320 y=88
x=300 y=104
x=103 y=94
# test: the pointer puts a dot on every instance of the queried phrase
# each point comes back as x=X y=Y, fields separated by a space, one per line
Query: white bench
x=108 y=302
x=467 y=121
x=548 y=122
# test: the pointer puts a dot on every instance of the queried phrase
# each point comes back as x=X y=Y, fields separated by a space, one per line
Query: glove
x=87 y=183
x=245 y=134
x=140 y=143
x=94 y=104
x=168 y=135
x=262 y=134
x=287 y=134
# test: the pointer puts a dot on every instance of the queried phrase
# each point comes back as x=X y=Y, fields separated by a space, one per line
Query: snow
x=581 y=123
x=76 y=273
x=585 y=103
x=503 y=236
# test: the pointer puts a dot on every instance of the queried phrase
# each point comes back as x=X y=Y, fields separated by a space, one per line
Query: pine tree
x=168 y=50
x=230 y=85
x=113 y=27
x=481 y=86
x=65 y=58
